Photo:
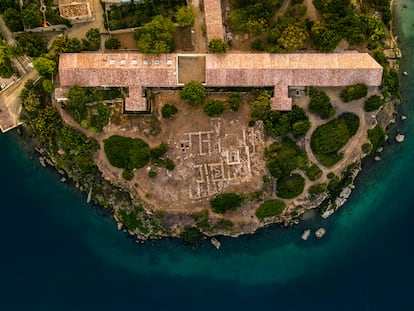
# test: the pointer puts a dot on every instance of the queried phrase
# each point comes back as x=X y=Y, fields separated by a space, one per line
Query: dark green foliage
x=8 y=4
x=131 y=219
x=253 y=16
x=330 y=175
x=168 y=110
x=193 y=93
x=156 y=37
x=330 y=137
x=317 y=189
x=270 y=208
x=214 y=107
x=258 y=45
x=354 y=92
x=391 y=82
x=324 y=37
x=73 y=45
x=377 y=137
x=290 y=187
x=152 y=174
x=169 y=164
x=99 y=116
x=30 y=45
x=320 y=103
x=277 y=123
x=234 y=101
x=93 y=35
x=6 y=68
x=224 y=202
x=159 y=151
x=126 y=152
x=127 y=175
x=217 y=46
x=373 y=103
x=32 y=18
x=112 y=43
x=12 y=19
x=366 y=148
x=284 y=157
x=314 y=172
x=48 y=85
x=77 y=100
x=192 y=235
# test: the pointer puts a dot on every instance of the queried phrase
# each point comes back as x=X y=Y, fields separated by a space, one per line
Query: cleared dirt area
x=191 y=68
x=127 y=40
x=183 y=40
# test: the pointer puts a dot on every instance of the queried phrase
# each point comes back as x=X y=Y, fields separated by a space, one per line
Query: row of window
x=145 y=62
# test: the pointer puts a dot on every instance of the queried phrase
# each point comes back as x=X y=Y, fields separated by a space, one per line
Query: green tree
x=168 y=110
x=320 y=103
x=214 y=107
x=217 y=46
x=45 y=66
x=6 y=68
x=12 y=19
x=73 y=45
x=270 y=208
x=30 y=45
x=224 y=202
x=294 y=37
x=354 y=92
x=156 y=36
x=185 y=16
x=234 y=101
x=112 y=43
x=8 y=4
x=377 y=137
x=193 y=93
x=290 y=186
x=48 y=85
x=77 y=100
x=324 y=38
x=32 y=18
x=373 y=103
x=94 y=36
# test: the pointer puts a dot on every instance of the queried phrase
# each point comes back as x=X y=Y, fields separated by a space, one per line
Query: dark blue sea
x=59 y=253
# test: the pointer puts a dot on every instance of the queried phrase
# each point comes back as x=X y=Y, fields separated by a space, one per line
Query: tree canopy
x=45 y=65
x=217 y=46
x=225 y=202
x=193 y=93
x=185 y=16
x=320 y=103
x=156 y=37
x=270 y=208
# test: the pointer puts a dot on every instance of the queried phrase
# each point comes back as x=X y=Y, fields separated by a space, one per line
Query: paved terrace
x=136 y=70
x=214 y=20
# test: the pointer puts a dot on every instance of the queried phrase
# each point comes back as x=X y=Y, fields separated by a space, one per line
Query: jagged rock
x=403 y=118
x=405 y=73
x=377 y=158
x=215 y=243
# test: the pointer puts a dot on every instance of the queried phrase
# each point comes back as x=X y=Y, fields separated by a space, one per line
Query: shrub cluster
x=270 y=208
x=354 y=92
x=224 y=202
x=373 y=103
x=320 y=103
x=289 y=187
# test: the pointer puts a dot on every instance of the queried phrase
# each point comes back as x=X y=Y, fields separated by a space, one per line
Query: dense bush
x=354 y=92
x=270 y=208
x=373 y=103
x=185 y=16
x=12 y=19
x=192 y=235
x=291 y=186
x=217 y=46
x=330 y=137
x=214 y=107
x=234 y=101
x=391 y=82
x=127 y=174
x=193 y=93
x=112 y=43
x=168 y=110
x=317 y=189
x=314 y=172
x=284 y=157
x=30 y=45
x=377 y=137
x=224 y=202
x=320 y=104
x=126 y=152
x=277 y=123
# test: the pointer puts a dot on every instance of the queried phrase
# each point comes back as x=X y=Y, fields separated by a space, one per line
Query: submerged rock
x=305 y=235
x=400 y=138
x=320 y=232
x=215 y=243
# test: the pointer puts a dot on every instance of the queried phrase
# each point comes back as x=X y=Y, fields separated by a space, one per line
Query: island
x=200 y=118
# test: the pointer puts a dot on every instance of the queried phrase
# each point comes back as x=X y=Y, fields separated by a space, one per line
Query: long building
x=281 y=71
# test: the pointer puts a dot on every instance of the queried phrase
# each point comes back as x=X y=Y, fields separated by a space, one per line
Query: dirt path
x=199 y=41
x=312 y=12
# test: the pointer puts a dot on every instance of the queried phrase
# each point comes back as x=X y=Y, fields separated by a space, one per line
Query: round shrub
x=126 y=152
x=290 y=187
x=168 y=110
x=354 y=92
x=224 y=202
x=320 y=103
x=234 y=101
x=314 y=172
x=373 y=103
x=270 y=208
x=214 y=107
x=193 y=93
x=152 y=174
x=127 y=175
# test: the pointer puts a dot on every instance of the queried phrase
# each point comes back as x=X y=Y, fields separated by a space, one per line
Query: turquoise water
x=59 y=253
